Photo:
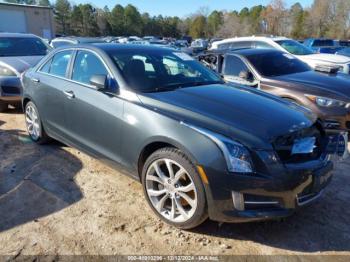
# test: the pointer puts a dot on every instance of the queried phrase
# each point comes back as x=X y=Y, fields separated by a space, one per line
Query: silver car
x=18 y=52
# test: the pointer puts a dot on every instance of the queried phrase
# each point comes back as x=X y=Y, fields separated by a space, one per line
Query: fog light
x=238 y=200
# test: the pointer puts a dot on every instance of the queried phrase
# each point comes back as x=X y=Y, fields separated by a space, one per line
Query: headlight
x=325 y=101
x=5 y=71
x=237 y=156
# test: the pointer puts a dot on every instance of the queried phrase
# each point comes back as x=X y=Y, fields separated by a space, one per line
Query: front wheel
x=174 y=189
x=34 y=125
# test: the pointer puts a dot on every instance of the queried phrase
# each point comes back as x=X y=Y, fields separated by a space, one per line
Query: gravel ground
x=57 y=200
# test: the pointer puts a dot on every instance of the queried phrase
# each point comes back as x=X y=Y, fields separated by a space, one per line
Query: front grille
x=10 y=90
x=284 y=145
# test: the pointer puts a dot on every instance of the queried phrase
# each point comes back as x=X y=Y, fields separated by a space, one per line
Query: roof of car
x=79 y=39
x=115 y=46
x=250 y=38
x=245 y=51
x=16 y=35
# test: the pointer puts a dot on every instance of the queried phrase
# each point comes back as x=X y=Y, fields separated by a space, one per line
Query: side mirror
x=99 y=81
x=246 y=75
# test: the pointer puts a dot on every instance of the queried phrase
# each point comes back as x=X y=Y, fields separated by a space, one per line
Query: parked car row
x=290 y=46
x=283 y=75
x=251 y=135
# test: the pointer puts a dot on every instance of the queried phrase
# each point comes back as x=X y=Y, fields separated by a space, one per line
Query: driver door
x=93 y=116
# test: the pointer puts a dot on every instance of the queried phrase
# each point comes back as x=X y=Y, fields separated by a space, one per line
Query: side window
x=86 y=65
x=224 y=46
x=46 y=67
x=239 y=45
x=57 y=44
x=263 y=45
x=233 y=66
x=60 y=63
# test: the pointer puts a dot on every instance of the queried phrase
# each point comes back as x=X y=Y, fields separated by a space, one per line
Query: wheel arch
x=156 y=143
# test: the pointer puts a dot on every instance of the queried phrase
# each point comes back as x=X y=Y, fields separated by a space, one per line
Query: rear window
x=22 y=46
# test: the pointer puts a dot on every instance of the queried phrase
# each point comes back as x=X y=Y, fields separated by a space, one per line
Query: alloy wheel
x=33 y=122
x=171 y=190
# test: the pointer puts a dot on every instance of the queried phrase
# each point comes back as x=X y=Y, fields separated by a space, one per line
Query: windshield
x=22 y=46
x=159 y=70
x=276 y=64
x=294 y=47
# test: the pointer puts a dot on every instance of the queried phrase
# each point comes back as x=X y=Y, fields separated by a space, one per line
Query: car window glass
x=60 y=63
x=240 y=45
x=22 y=46
x=148 y=66
x=175 y=67
x=294 y=47
x=161 y=69
x=320 y=43
x=86 y=65
x=272 y=64
x=233 y=66
x=262 y=45
x=57 y=44
x=46 y=67
x=224 y=46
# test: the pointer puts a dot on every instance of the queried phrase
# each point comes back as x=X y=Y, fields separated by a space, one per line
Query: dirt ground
x=57 y=200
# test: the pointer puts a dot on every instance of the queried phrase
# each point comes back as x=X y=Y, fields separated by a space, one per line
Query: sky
x=182 y=8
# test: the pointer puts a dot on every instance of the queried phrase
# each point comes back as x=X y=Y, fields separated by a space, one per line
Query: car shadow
x=13 y=110
x=322 y=226
x=35 y=181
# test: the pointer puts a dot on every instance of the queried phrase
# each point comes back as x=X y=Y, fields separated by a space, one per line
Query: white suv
x=287 y=45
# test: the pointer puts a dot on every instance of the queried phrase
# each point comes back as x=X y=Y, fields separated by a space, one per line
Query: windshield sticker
x=288 y=56
x=183 y=56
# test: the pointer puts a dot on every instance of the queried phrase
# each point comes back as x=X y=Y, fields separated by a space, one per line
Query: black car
x=284 y=75
x=199 y=147
x=18 y=52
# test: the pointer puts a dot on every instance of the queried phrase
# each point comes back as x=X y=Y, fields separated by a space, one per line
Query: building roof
x=25 y=6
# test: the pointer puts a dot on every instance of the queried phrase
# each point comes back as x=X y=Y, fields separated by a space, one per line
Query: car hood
x=20 y=63
x=336 y=59
x=252 y=117
x=320 y=83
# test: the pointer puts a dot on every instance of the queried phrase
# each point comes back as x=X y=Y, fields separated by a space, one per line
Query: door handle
x=36 y=80
x=69 y=94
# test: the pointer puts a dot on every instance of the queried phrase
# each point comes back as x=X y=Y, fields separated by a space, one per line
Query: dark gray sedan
x=199 y=147
x=18 y=52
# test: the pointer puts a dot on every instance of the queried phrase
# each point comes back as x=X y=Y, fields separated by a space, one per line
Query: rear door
x=51 y=81
x=93 y=116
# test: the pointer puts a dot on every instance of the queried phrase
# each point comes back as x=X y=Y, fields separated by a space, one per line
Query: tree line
x=323 y=18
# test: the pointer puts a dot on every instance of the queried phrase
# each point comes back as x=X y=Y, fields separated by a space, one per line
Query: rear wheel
x=34 y=125
x=3 y=106
x=174 y=189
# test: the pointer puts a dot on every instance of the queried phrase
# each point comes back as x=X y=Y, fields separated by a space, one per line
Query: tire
x=182 y=209
x=34 y=124
x=3 y=106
